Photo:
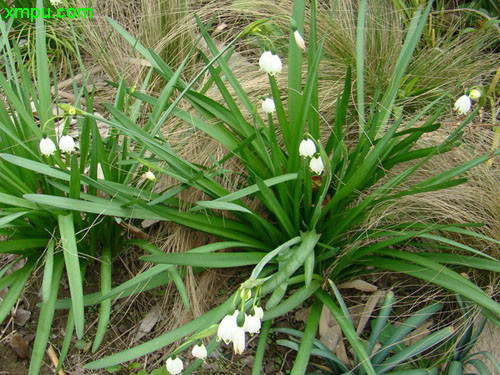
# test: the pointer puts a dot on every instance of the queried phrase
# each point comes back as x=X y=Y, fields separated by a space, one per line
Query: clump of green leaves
x=311 y=229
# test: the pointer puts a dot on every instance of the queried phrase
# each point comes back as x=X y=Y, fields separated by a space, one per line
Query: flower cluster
x=232 y=329
x=48 y=147
x=307 y=149
x=464 y=103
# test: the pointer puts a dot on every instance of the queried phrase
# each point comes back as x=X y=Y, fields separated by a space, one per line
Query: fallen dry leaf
x=360 y=285
x=369 y=306
x=148 y=323
x=20 y=346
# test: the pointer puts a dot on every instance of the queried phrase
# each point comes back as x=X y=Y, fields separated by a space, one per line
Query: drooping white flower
x=299 y=40
x=199 y=351
x=270 y=63
x=316 y=165
x=307 y=148
x=258 y=311
x=66 y=143
x=239 y=339
x=149 y=176
x=268 y=105
x=174 y=365
x=252 y=324
x=227 y=327
x=55 y=2
x=475 y=94
x=47 y=147
x=462 y=105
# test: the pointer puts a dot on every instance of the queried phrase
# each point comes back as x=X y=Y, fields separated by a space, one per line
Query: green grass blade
x=68 y=338
x=45 y=320
x=306 y=345
x=105 y=308
x=360 y=65
x=210 y=260
x=406 y=354
x=48 y=271
x=176 y=278
x=72 y=262
x=261 y=348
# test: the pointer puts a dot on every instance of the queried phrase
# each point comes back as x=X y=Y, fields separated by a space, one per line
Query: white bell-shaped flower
x=199 y=351
x=239 y=339
x=149 y=176
x=299 y=40
x=307 y=148
x=47 y=147
x=270 y=63
x=55 y=3
x=258 y=311
x=268 y=105
x=174 y=365
x=475 y=94
x=462 y=105
x=316 y=165
x=66 y=143
x=227 y=327
x=252 y=324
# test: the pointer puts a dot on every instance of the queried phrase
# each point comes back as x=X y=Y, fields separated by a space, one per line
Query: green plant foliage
x=315 y=192
x=392 y=356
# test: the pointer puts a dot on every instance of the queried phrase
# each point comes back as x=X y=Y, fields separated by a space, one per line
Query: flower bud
x=475 y=94
x=299 y=40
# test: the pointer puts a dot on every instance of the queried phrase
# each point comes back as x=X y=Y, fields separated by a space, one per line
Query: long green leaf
x=209 y=260
x=45 y=319
x=72 y=262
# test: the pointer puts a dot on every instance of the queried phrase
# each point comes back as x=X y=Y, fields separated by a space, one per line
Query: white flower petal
x=316 y=165
x=239 y=340
x=268 y=105
x=175 y=366
x=47 y=147
x=259 y=312
x=462 y=105
x=149 y=176
x=270 y=63
x=307 y=148
x=226 y=329
x=252 y=324
x=199 y=351
x=67 y=143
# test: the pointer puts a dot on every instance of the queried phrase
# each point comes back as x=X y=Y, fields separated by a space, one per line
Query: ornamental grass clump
x=312 y=185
